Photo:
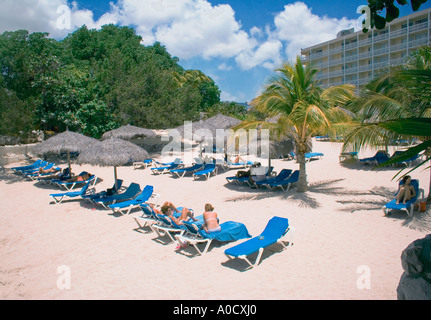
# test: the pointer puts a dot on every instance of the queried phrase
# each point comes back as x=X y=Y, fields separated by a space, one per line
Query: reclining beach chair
x=167 y=226
x=34 y=165
x=166 y=168
x=126 y=206
x=286 y=183
x=276 y=229
x=230 y=231
x=132 y=190
x=69 y=185
x=206 y=171
x=181 y=172
x=59 y=197
x=105 y=193
x=236 y=165
x=407 y=162
x=146 y=163
x=313 y=155
x=380 y=157
x=284 y=174
x=44 y=165
x=36 y=174
x=409 y=206
x=147 y=218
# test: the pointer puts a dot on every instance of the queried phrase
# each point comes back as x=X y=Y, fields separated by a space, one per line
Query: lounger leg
x=259 y=256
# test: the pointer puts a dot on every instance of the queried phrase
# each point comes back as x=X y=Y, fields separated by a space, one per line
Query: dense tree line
x=96 y=80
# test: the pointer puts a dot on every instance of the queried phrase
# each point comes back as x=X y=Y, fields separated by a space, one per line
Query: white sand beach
x=340 y=230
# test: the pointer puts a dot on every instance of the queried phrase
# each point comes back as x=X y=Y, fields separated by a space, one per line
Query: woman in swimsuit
x=406 y=192
x=169 y=209
x=210 y=219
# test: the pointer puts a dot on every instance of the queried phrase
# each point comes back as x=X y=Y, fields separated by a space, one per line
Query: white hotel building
x=356 y=57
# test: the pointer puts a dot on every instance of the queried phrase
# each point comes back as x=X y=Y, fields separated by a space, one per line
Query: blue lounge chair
x=131 y=192
x=167 y=226
x=246 y=179
x=236 y=165
x=34 y=165
x=286 y=183
x=70 y=185
x=183 y=171
x=36 y=174
x=44 y=165
x=166 y=168
x=146 y=163
x=407 y=162
x=276 y=229
x=126 y=206
x=105 y=193
x=206 y=171
x=408 y=207
x=284 y=174
x=380 y=157
x=147 y=218
x=313 y=155
x=59 y=197
x=230 y=231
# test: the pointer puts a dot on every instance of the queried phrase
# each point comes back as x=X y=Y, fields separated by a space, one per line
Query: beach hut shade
x=112 y=152
x=128 y=132
x=66 y=142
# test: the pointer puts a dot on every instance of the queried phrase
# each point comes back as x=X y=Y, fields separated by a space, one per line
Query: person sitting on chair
x=169 y=209
x=406 y=191
x=211 y=221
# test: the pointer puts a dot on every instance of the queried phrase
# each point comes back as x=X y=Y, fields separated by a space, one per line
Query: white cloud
x=53 y=16
x=224 y=67
x=188 y=28
x=299 y=28
x=266 y=55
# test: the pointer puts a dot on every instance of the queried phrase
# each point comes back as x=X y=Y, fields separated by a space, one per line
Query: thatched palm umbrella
x=65 y=142
x=128 y=132
x=222 y=122
x=112 y=152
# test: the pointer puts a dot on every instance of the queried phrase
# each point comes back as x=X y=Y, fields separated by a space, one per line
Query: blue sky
x=238 y=43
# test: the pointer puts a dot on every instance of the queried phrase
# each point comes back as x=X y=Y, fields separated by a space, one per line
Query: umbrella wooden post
x=115 y=178
x=68 y=162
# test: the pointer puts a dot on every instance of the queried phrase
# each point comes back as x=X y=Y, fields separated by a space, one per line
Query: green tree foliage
x=73 y=83
x=391 y=8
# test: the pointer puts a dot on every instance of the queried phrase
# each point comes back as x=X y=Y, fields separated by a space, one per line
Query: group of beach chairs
x=177 y=169
x=284 y=180
x=50 y=174
x=190 y=234
x=382 y=156
x=197 y=170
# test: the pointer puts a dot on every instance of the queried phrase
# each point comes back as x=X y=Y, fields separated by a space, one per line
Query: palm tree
x=302 y=107
x=397 y=105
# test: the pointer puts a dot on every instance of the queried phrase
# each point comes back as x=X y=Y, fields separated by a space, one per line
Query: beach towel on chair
x=230 y=231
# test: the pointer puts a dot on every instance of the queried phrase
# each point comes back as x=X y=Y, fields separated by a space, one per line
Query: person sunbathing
x=238 y=159
x=406 y=191
x=169 y=209
x=81 y=177
x=211 y=221
x=50 y=170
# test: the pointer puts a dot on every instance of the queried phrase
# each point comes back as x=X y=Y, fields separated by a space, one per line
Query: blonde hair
x=209 y=207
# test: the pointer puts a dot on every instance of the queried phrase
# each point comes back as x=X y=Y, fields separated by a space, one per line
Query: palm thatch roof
x=129 y=132
x=222 y=122
x=66 y=142
x=112 y=152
